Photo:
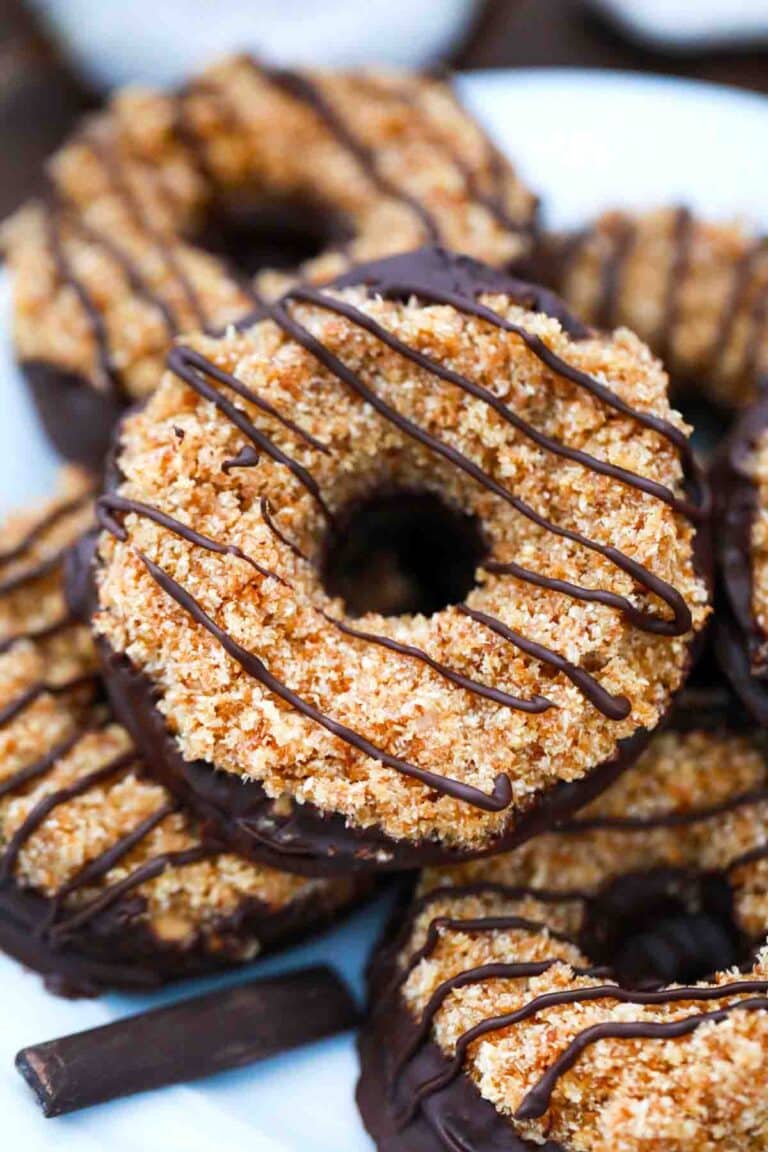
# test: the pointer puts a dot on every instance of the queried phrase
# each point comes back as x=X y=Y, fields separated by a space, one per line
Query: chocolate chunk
x=197 y=1037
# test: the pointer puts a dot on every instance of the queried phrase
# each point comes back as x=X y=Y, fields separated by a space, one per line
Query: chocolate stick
x=194 y=1038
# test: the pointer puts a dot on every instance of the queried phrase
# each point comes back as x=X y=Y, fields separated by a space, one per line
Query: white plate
x=585 y=141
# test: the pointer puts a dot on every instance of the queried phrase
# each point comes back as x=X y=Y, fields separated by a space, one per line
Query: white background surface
x=585 y=142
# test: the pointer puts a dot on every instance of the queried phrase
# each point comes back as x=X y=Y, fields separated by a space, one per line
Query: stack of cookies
x=379 y=557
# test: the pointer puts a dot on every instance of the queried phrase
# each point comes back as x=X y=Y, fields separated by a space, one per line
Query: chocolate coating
x=78 y=419
x=114 y=950
x=308 y=841
x=738 y=636
x=457 y=1116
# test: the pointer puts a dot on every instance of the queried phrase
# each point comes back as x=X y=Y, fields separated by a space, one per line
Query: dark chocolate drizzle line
x=141 y=875
x=266 y=513
x=41 y=634
x=614 y=707
x=499 y=799
x=229 y=381
x=535 y=705
x=493 y=202
x=495 y=971
x=42 y=568
x=311 y=295
x=478 y=888
x=300 y=87
x=474 y=924
x=622 y=242
x=641 y=619
x=42 y=688
x=130 y=269
x=108 y=373
x=100 y=865
x=106 y=504
x=121 y=503
x=397 y=285
x=46 y=805
x=193 y=369
x=113 y=169
x=665 y=819
x=536 y=1101
x=682 y=236
x=247 y=457
x=39 y=767
x=60 y=512
x=753 y=856
x=681 y=621
x=735 y=301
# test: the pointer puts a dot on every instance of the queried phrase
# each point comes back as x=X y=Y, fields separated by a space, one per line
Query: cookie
x=696 y=291
x=402 y=571
x=603 y=986
x=105 y=879
x=162 y=207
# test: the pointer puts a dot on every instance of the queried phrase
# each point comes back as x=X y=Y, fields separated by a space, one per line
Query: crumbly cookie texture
x=696 y=1093
x=394 y=156
x=697 y=291
x=172 y=457
x=55 y=731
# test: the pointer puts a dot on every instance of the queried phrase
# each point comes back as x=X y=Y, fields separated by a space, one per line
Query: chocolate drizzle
x=300 y=87
x=47 y=803
x=113 y=168
x=622 y=237
x=611 y=284
x=197 y=372
x=411 y=1098
x=49 y=929
x=682 y=230
x=149 y=870
x=434 y=276
x=536 y=1101
x=614 y=707
x=107 y=377
x=502 y=790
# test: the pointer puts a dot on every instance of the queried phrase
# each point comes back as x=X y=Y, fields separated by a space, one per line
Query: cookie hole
x=252 y=234
x=401 y=552
x=664 y=926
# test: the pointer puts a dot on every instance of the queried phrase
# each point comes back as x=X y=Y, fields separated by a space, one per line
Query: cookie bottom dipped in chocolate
x=604 y=985
x=105 y=879
x=740 y=484
x=303 y=839
x=78 y=418
x=376 y=628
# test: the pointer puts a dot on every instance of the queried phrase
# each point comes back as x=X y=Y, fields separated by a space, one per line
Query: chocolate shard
x=197 y=1037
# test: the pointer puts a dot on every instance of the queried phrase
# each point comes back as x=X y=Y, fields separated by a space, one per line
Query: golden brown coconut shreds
x=684 y=826
x=152 y=197
x=107 y=880
x=605 y=674
x=695 y=290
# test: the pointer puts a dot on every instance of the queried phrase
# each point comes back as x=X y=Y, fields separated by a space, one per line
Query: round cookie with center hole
x=604 y=986
x=164 y=210
x=403 y=571
x=696 y=290
x=106 y=879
